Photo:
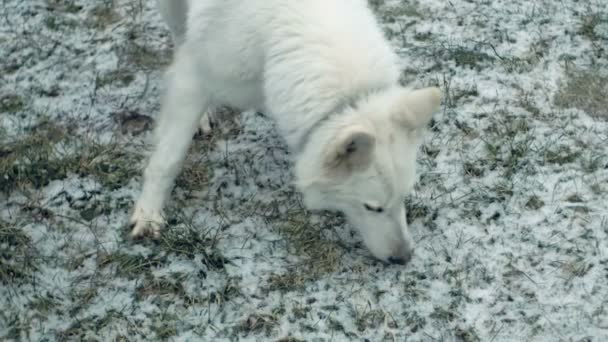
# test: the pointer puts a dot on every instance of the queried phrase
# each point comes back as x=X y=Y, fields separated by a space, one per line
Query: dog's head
x=363 y=163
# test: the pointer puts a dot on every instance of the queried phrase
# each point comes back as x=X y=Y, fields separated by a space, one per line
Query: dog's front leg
x=182 y=108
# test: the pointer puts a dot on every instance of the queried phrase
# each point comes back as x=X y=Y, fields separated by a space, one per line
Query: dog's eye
x=374 y=209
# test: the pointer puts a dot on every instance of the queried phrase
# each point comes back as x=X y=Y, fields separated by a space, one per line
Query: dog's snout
x=402 y=258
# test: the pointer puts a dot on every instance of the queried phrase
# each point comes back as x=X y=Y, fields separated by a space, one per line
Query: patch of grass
x=110 y=164
x=376 y=4
x=159 y=287
x=431 y=151
x=443 y=314
x=43 y=304
x=196 y=171
x=130 y=266
x=228 y=292
x=585 y=89
x=144 y=57
x=416 y=210
x=401 y=16
x=132 y=122
x=104 y=15
x=82 y=298
x=300 y=312
x=289 y=339
x=56 y=22
x=373 y=319
x=391 y=14
x=589 y=23
x=258 y=323
x=11 y=103
x=454 y=95
x=120 y=78
x=191 y=242
x=576 y=268
x=51 y=23
x=592 y=162
x=464 y=93
x=507 y=141
x=291 y=281
x=9 y=67
x=320 y=255
x=87 y=328
x=29 y=160
x=527 y=102
x=17 y=255
x=335 y=325
x=423 y=36
x=17 y=326
x=503 y=190
x=536 y=52
x=467 y=334
x=90 y=213
x=473 y=168
x=560 y=155
x=516 y=64
x=466 y=57
x=535 y=203
x=180 y=238
x=309 y=241
x=68 y=6
x=48 y=152
x=575 y=198
x=165 y=326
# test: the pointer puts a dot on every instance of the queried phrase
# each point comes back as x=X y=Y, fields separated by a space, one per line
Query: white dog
x=324 y=71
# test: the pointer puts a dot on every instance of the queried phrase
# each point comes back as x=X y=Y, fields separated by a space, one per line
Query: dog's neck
x=349 y=101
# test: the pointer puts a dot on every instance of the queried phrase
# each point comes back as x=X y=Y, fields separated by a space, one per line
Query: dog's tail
x=175 y=14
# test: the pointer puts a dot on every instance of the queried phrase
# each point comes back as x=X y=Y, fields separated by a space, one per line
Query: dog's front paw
x=206 y=123
x=144 y=222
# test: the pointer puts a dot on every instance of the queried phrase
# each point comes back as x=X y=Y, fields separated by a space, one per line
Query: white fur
x=323 y=70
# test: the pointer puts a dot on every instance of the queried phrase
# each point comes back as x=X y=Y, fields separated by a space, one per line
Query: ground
x=509 y=213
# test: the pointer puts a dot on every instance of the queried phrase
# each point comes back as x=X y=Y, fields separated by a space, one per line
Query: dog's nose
x=397 y=260
x=402 y=258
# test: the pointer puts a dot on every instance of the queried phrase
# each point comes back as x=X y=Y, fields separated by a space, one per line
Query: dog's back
x=292 y=59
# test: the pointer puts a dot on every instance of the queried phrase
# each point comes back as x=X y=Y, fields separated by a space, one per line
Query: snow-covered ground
x=510 y=212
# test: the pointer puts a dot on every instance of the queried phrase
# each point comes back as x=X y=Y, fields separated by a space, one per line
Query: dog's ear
x=351 y=151
x=413 y=109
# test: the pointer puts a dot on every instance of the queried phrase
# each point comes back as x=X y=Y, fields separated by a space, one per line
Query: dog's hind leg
x=184 y=102
x=205 y=124
x=174 y=13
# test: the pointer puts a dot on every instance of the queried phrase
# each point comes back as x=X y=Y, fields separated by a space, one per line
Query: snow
x=488 y=266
